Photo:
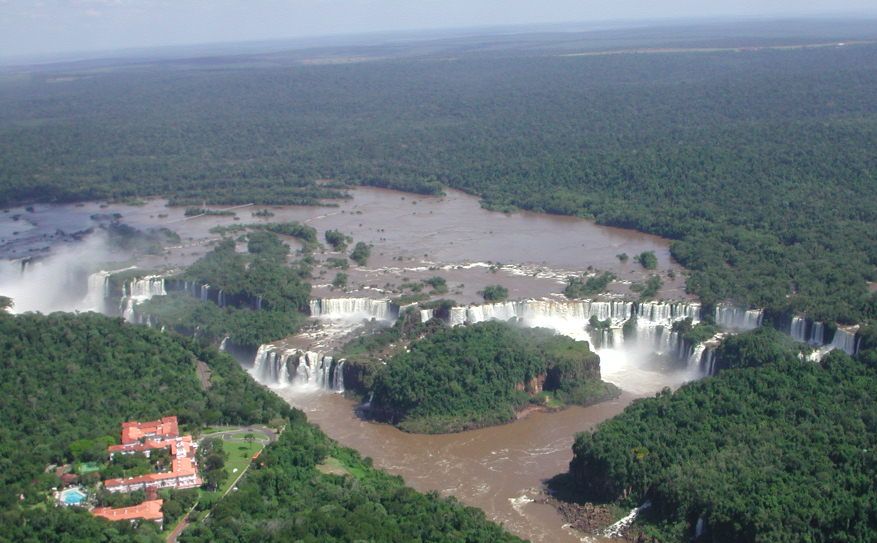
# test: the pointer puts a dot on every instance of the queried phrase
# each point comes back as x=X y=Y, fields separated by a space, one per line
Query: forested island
x=68 y=381
x=465 y=377
x=774 y=448
x=264 y=291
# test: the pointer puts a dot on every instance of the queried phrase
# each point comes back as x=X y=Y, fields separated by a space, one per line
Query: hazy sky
x=29 y=27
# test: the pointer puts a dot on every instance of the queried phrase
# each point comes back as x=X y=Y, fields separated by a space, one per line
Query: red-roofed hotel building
x=147 y=436
x=148 y=510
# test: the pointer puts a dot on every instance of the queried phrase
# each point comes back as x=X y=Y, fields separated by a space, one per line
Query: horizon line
x=412 y=35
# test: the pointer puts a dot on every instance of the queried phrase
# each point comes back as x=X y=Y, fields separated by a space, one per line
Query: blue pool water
x=72 y=497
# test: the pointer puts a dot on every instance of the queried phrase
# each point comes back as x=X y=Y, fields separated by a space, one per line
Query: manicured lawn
x=240 y=454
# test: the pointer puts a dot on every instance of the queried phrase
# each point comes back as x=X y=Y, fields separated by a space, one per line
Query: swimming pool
x=73 y=496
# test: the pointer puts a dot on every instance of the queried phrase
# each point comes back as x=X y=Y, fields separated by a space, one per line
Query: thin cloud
x=57 y=26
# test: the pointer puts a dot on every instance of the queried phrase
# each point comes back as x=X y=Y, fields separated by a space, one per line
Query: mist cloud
x=58 y=282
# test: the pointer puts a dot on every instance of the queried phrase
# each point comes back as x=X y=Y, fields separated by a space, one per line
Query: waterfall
x=302 y=371
x=845 y=340
x=653 y=329
x=426 y=315
x=668 y=311
x=133 y=291
x=798 y=330
x=819 y=353
x=660 y=339
x=609 y=338
x=738 y=318
x=702 y=359
x=615 y=311
x=817 y=334
x=709 y=363
x=222 y=343
x=207 y=293
x=813 y=333
x=457 y=316
x=619 y=527
x=338 y=377
x=502 y=311
x=97 y=292
x=260 y=360
x=283 y=375
x=275 y=366
x=354 y=309
x=139 y=290
x=702 y=356
x=146 y=287
x=807 y=331
x=696 y=357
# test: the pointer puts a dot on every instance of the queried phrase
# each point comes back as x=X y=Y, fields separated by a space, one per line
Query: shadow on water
x=563 y=487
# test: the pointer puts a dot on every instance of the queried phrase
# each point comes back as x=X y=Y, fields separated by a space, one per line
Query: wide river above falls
x=413 y=237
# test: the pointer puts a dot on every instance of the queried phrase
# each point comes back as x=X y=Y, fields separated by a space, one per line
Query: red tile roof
x=151 y=444
x=181 y=468
x=134 y=431
x=148 y=510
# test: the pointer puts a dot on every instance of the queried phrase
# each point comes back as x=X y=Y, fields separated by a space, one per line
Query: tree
x=337 y=240
x=438 y=284
x=360 y=253
x=578 y=287
x=494 y=293
x=213 y=478
x=340 y=280
x=647 y=260
x=277 y=423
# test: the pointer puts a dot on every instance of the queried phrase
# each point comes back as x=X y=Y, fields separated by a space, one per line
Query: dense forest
x=469 y=376
x=757 y=163
x=66 y=383
x=772 y=449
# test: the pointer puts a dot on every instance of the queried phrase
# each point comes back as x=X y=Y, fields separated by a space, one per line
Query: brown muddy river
x=413 y=237
x=498 y=469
